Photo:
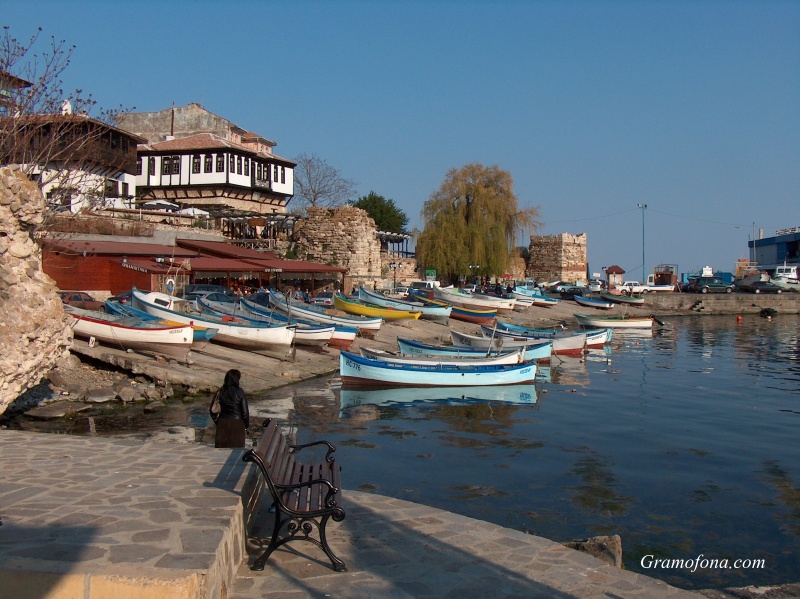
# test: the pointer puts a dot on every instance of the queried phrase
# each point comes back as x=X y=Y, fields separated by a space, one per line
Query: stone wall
x=343 y=236
x=558 y=257
x=34 y=331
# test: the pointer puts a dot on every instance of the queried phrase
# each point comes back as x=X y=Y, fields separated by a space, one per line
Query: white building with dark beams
x=195 y=158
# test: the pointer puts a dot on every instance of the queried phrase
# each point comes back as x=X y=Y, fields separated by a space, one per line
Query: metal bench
x=304 y=495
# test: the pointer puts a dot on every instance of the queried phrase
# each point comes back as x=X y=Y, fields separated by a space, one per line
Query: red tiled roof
x=205 y=141
x=263 y=259
x=116 y=248
x=148 y=266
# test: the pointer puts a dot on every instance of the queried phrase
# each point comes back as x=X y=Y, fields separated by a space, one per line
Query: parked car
x=596 y=285
x=710 y=285
x=122 y=298
x=569 y=291
x=81 y=299
x=401 y=292
x=204 y=288
x=323 y=298
x=764 y=287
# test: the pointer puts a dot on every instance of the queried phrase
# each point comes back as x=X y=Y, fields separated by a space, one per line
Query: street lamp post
x=643 y=207
x=393 y=266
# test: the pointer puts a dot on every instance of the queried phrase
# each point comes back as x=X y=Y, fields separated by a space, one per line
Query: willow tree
x=473 y=219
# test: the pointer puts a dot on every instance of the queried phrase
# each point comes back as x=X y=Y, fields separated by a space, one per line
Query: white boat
x=615 y=322
x=564 y=342
x=505 y=343
x=127 y=332
x=312 y=336
x=342 y=337
x=408 y=347
x=357 y=370
x=240 y=336
x=514 y=357
x=524 y=394
x=367 y=326
x=472 y=300
x=591 y=302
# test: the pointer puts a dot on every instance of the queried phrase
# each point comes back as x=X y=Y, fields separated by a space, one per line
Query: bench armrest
x=329 y=457
x=330 y=498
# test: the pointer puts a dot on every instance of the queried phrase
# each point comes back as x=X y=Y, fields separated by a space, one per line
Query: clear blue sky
x=692 y=107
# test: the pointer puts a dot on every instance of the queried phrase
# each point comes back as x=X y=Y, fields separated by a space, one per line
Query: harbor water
x=684 y=442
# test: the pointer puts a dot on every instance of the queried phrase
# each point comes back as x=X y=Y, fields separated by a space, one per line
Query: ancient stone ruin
x=34 y=331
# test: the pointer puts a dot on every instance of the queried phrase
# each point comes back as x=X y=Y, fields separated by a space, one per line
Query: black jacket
x=233 y=403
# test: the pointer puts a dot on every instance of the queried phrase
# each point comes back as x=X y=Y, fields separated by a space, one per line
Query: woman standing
x=233 y=418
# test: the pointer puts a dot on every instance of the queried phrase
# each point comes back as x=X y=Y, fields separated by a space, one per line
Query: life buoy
x=170 y=285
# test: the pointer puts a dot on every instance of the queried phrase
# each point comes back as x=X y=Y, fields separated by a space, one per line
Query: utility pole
x=644 y=272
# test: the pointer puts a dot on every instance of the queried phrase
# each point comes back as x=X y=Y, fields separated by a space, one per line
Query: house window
x=238 y=165
x=283 y=174
x=246 y=167
x=139 y=166
x=124 y=189
x=232 y=164
x=196 y=164
x=220 y=163
x=111 y=189
x=275 y=174
x=151 y=166
x=166 y=165
x=207 y=163
x=176 y=165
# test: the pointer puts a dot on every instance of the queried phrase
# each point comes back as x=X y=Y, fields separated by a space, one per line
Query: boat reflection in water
x=517 y=394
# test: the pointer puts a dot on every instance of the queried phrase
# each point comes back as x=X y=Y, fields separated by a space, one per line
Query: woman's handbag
x=215 y=408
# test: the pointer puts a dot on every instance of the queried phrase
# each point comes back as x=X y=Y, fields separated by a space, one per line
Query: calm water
x=683 y=443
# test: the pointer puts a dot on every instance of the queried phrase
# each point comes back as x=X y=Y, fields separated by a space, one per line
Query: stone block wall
x=558 y=257
x=343 y=236
x=34 y=330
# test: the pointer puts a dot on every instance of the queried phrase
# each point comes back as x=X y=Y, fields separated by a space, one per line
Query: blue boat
x=591 y=302
x=198 y=333
x=357 y=370
x=436 y=313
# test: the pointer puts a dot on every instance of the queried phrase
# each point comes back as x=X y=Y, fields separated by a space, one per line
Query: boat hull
x=538 y=351
x=590 y=302
x=507 y=358
x=366 y=326
x=353 y=307
x=622 y=299
x=173 y=341
x=621 y=322
x=440 y=314
x=359 y=371
x=250 y=338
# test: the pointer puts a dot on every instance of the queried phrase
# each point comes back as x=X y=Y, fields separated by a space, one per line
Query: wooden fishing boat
x=432 y=312
x=200 y=334
x=524 y=394
x=615 y=322
x=591 y=302
x=240 y=336
x=409 y=347
x=628 y=300
x=596 y=337
x=367 y=326
x=357 y=370
x=564 y=342
x=513 y=357
x=342 y=337
x=506 y=342
x=306 y=335
x=472 y=315
x=129 y=332
x=538 y=298
x=472 y=300
x=355 y=307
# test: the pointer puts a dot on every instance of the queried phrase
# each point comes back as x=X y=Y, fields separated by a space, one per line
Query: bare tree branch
x=319 y=185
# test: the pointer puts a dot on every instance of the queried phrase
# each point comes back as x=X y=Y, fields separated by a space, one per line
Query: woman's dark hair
x=232 y=378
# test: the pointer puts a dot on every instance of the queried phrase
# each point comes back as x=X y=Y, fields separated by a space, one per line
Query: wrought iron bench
x=304 y=495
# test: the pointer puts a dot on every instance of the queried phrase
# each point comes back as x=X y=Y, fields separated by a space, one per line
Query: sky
x=595 y=108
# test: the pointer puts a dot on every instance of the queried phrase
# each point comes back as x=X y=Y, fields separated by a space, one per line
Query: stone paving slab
x=93 y=518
